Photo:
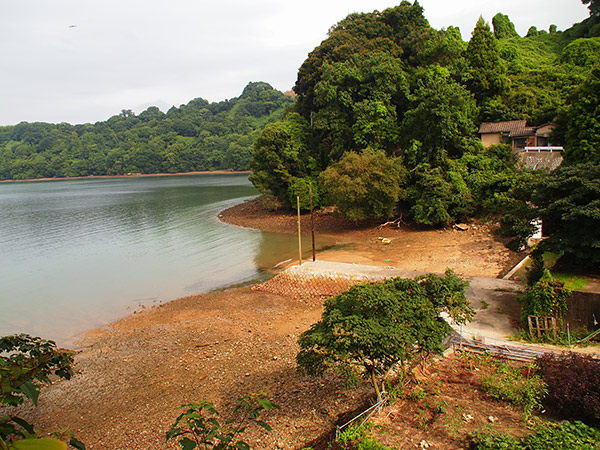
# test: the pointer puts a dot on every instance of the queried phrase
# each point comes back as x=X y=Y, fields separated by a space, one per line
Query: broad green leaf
x=265 y=425
x=76 y=444
x=266 y=403
x=187 y=444
x=31 y=391
x=39 y=444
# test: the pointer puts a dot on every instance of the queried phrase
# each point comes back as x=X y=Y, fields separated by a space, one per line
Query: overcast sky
x=83 y=61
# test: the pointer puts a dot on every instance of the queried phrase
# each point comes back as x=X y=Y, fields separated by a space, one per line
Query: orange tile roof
x=513 y=127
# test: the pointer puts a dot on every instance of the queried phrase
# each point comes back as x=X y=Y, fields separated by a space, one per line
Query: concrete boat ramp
x=492 y=298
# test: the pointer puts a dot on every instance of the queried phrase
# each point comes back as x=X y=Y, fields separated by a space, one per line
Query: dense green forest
x=196 y=136
x=387 y=111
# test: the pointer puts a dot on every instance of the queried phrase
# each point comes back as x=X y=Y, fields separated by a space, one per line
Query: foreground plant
x=574 y=385
x=26 y=364
x=547 y=436
x=201 y=426
x=519 y=386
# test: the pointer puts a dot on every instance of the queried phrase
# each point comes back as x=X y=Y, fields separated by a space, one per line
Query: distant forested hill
x=196 y=136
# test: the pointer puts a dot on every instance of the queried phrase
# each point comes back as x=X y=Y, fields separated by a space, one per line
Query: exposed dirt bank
x=472 y=252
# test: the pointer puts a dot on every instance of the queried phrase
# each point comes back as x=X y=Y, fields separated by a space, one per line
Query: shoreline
x=131 y=175
x=134 y=373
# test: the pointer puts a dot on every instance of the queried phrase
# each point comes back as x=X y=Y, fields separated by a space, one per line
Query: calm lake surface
x=77 y=254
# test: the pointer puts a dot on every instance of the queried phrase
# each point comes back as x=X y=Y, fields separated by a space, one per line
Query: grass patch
x=571 y=281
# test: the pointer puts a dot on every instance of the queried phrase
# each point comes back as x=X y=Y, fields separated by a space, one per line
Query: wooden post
x=299 y=232
x=530 y=323
x=312 y=223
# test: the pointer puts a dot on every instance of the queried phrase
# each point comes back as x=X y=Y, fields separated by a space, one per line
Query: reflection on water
x=76 y=254
x=276 y=248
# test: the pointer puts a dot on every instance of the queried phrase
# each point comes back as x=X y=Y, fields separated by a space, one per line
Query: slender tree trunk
x=376 y=385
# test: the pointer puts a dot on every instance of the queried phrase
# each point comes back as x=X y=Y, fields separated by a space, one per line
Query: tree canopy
x=373 y=327
x=387 y=82
x=365 y=185
x=568 y=202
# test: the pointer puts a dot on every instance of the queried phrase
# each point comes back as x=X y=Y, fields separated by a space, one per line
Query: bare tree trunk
x=376 y=385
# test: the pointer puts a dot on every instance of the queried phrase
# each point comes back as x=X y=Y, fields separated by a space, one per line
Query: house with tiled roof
x=517 y=134
x=532 y=144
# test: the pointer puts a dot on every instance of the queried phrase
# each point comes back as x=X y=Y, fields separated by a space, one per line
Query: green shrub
x=510 y=384
x=356 y=438
x=201 y=426
x=565 y=436
x=547 y=297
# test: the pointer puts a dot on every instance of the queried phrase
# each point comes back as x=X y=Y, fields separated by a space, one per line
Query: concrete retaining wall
x=540 y=160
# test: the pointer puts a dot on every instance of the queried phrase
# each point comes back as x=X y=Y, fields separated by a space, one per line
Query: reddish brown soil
x=473 y=252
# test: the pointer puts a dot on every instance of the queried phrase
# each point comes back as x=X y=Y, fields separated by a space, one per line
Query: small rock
x=468 y=418
x=461 y=226
x=492 y=419
x=424 y=444
x=385 y=241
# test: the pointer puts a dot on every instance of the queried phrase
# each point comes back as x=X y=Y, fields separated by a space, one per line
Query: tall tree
x=281 y=153
x=486 y=76
x=593 y=6
x=441 y=112
x=569 y=205
x=503 y=27
x=582 y=137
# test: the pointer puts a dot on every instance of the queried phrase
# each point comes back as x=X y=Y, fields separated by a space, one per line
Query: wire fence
x=366 y=415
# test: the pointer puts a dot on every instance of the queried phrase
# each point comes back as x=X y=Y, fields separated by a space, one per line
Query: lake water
x=77 y=254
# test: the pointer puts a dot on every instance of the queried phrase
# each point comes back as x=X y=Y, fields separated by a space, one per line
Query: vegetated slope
x=388 y=82
x=196 y=136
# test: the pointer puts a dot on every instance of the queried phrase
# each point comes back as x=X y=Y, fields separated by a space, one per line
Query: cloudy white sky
x=82 y=61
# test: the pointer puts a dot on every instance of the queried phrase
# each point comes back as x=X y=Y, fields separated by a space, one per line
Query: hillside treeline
x=387 y=111
x=196 y=136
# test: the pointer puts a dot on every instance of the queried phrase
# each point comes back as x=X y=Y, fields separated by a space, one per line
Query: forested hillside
x=196 y=136
x=387 y=112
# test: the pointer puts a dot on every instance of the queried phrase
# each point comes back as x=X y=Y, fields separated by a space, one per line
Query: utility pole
x=312 y=222
x=299 y=232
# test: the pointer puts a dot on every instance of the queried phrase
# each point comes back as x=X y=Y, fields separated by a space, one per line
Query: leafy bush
x=574 y=385
x=548 y=297
x=509 y=383
x=356 y=438
x=566 y=436
x=26 y=363
x=301 y=187
x=366 y=185
x=199 y=426
x=568 y=201
x=373 y=327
